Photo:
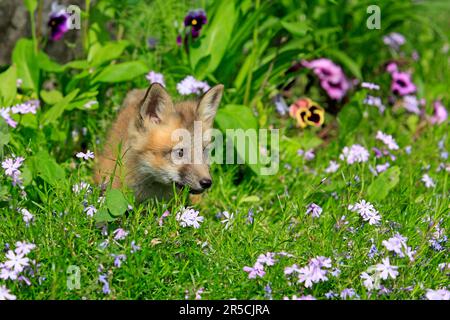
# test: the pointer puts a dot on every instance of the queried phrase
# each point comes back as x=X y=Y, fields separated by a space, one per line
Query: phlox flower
x=367 y=211
x=440 y=294
x=386 y=269
x=24 y=248
x=86 y=156
x=348 y=293
x=356 y=153
x=394 y=40
x=256 y=271
x=26 y=215
x=440 y=113
x=154 y=77
x=120 y=234
x=90 y=210
x=428 y=181
x=314 y=210
x=16 y=261
x=388 y=140
x=266 y=259
x=190 y=85
x=189 y=217
x=333 y=166
x=229 y=217
x=5 y=294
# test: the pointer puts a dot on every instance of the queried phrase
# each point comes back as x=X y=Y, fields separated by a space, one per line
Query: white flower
x=368 y=280
x=120 y=234
x=314 y=210
x=86 y=156
x=190 y=85
x=16 y=262
x=428 y=181
x=154 y=77
x=90 y=210
x=440 y=294
x=356 y=153
x=229 y=217
x=5 y=294
x=24 y=248
x=367 y=211
x=26 y=215
x=386 y=270
x=388 y=140
x=332 y=167
x=189 y=218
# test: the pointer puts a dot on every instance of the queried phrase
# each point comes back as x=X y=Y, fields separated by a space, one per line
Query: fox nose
x=205 y=183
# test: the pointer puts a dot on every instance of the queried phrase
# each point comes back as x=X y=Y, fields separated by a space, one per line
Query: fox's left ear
x=209 y=102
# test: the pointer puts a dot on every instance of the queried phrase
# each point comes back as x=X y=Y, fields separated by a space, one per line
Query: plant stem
x=86 y=25
x=254 y=54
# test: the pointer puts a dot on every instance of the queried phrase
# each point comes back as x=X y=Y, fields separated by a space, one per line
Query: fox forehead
x=160 y=138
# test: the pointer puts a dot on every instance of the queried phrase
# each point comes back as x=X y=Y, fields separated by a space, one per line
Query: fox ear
x=156 y=104
x=209 y=103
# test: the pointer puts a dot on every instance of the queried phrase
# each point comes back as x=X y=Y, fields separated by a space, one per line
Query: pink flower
x=440 y=114
x=332 y=78
x=154 y=77
x=402 y=84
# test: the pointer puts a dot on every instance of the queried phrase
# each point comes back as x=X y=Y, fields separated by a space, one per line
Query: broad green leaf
x=46 y=167
x=216 y=36
x=383 y=184
x=27 y=64
x=121 y=72
x=243 y=133
x=348 y=118
x=116 y=202
x=8 y=86
x=46 y=64
x=202 y=67
x=77 y=64
x=99 y=54
x=57 y=110
x=51 y=97
x=299 y=28
x=103 y=215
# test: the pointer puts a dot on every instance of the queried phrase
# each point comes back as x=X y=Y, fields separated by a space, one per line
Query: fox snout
x=196 y=177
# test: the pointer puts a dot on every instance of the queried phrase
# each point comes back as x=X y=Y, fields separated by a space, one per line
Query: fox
x=141 y=153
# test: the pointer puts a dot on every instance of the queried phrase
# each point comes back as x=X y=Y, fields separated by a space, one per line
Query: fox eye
x=179 y=153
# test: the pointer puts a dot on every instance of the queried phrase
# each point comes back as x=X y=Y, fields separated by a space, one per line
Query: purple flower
x=58 y=22
x=314 y=210
x=348 y=293
x=440 y=114
x=134 y=247
x=367 y=211
x=163 y=216
x=16 y=261
x=370 y=86
x=118 y=259
x=5 y=114
x=332 y=167
x=266 y=259
x=411 y=104
x=256 y=271
x=190 y=85
x=195 y=19
x=24 y=248
x=90 y=210
x=103 y=279
x=280 y=105
x=154 y=77
x=428 y=181
x=332 y=78
x=394 y=40
x=375 y=101
x=120 y=234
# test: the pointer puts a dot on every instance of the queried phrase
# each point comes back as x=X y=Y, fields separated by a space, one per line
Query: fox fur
x=139 y=149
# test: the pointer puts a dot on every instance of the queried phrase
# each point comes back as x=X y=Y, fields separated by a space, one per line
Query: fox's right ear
x=156 y=104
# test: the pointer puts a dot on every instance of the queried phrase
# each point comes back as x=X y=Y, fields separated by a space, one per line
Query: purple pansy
x=58 y=22
x=195 y=19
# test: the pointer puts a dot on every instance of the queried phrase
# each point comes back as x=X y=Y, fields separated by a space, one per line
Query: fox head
x=163 y=141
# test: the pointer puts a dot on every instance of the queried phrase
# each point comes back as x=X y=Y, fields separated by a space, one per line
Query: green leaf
x=27 y=64
x=8 y=86
x=103 y=215
x=51 y=97
x=216 y=37
x=121 y=72
x=116 y=202
x=99 y=54
x=46 y=167
x=57 y=110
x=5 y=136
x=299 y=28
x=31 y=5
x=46 y=64
x=348 y=118
x=383 y=184
x=202 y=67
x=77 y=64
x=237 y=117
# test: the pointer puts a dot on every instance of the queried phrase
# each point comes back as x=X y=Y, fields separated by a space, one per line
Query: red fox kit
x=140 y=149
